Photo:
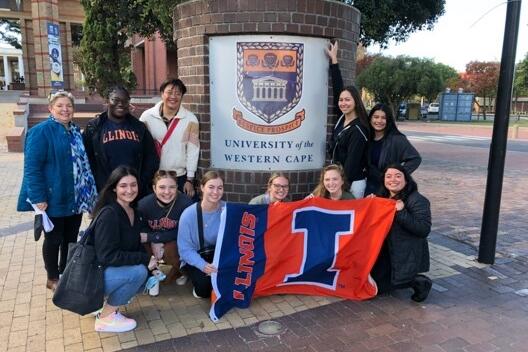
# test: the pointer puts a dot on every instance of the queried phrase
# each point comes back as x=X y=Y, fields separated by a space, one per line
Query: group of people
x=136 y=177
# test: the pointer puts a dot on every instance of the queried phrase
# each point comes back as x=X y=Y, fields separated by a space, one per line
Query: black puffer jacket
x=407 y=239
x=396 y=149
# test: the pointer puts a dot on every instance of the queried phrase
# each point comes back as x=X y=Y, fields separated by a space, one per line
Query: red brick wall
x=195 y=21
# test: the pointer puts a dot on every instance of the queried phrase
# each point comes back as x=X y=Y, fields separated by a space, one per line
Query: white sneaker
x=182 y=280
x=154 y=291
x=96 y=313
x=115 y=322
x=195 y=295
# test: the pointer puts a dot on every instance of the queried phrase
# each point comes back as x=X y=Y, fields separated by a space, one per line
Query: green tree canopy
x=105 y=60
x=520 y=84
x=394 y=80
x=104 y=56
x=382 y=21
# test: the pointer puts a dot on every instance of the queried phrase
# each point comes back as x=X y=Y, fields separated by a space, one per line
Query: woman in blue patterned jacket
x=58 y=180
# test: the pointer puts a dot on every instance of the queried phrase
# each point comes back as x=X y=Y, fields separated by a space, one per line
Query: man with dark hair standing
x=176 y=133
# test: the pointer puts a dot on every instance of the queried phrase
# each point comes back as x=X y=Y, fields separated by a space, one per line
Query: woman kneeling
x=118 y=248
x=197 y=234
x=405 y=252
x=332 y=184
x=161 y=212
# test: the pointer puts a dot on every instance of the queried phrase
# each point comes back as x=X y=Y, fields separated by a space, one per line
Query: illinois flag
x=314 y=247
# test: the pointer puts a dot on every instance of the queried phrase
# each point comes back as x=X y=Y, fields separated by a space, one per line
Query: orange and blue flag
x=314 y=246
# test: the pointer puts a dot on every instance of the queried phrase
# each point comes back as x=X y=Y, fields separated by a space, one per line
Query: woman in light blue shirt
x=198 y=266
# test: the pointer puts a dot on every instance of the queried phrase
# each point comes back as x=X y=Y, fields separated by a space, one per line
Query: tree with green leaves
x=106 y=60
x=394 y=80
x=104 y=56
x=382 y=21
x=520 y=84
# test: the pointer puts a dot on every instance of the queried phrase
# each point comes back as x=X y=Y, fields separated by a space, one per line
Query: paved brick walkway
x=473 y=307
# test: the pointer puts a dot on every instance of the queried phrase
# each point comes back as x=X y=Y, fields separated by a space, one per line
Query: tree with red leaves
x=483 y=78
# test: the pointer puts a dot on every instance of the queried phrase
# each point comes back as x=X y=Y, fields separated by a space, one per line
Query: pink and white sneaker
x=115 y=322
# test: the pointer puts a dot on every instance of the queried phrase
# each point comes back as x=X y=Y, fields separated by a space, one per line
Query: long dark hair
x=391 y=123
x=359 y=108
x=107 y=194
x=409 y=188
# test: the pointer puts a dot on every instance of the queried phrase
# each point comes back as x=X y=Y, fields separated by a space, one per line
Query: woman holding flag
x=197 y=233
x=405 y=252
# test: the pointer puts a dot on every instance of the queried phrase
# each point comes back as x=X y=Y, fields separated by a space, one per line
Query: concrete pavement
x=473 y=307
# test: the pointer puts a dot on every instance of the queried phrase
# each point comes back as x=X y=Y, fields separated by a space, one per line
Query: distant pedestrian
x=116 y=137
x=387 y=145
x=332 y=184
x=176 y=133
x=348 y=143
x=405 y=251
x=118 y=248
x=58 y=180
x=277 y=190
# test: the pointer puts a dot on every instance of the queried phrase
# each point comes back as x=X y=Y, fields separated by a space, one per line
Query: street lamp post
x=490 y=216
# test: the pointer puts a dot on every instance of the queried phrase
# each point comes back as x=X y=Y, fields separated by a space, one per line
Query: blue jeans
x=122 y=283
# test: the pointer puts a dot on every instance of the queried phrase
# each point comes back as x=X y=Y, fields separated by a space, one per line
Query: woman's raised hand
x=332 y=52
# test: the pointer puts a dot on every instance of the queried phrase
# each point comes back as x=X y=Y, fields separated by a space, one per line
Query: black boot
x=421 y=286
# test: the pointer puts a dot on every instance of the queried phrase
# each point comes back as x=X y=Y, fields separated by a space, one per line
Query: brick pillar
x=195 y=21
x=42 y=12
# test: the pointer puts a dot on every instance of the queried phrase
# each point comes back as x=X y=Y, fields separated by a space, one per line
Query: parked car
x=433 y=108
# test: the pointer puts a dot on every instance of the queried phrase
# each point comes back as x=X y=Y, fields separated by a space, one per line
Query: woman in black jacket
x=387 y=145
x=405 y=252
x=348 y=143
x=118 y=248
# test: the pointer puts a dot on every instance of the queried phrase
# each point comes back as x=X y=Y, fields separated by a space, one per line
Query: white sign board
x=269 y=100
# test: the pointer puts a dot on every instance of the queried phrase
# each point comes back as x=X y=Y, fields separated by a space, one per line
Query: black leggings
x=65 y=231
x=200 y=280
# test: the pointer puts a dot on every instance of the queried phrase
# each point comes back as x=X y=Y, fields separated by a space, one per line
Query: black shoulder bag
x=81 y=286
x=207 y=253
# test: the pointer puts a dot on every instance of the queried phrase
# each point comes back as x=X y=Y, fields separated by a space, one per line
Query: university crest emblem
x=269 y=83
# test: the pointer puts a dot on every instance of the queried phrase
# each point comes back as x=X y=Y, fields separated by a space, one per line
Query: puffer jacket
x=407 y=239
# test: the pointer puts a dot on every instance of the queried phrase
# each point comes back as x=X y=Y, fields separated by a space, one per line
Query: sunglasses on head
x=170 y=173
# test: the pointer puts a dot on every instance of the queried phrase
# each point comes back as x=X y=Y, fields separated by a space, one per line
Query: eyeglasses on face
x=279 y=186
x=117 y=101
x=173 y=92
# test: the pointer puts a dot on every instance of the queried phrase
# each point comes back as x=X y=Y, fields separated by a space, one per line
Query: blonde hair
x=52 y=97
x=276 y=175
x=320 y=190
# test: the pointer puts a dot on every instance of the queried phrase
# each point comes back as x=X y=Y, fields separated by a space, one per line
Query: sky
x=469 y=30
